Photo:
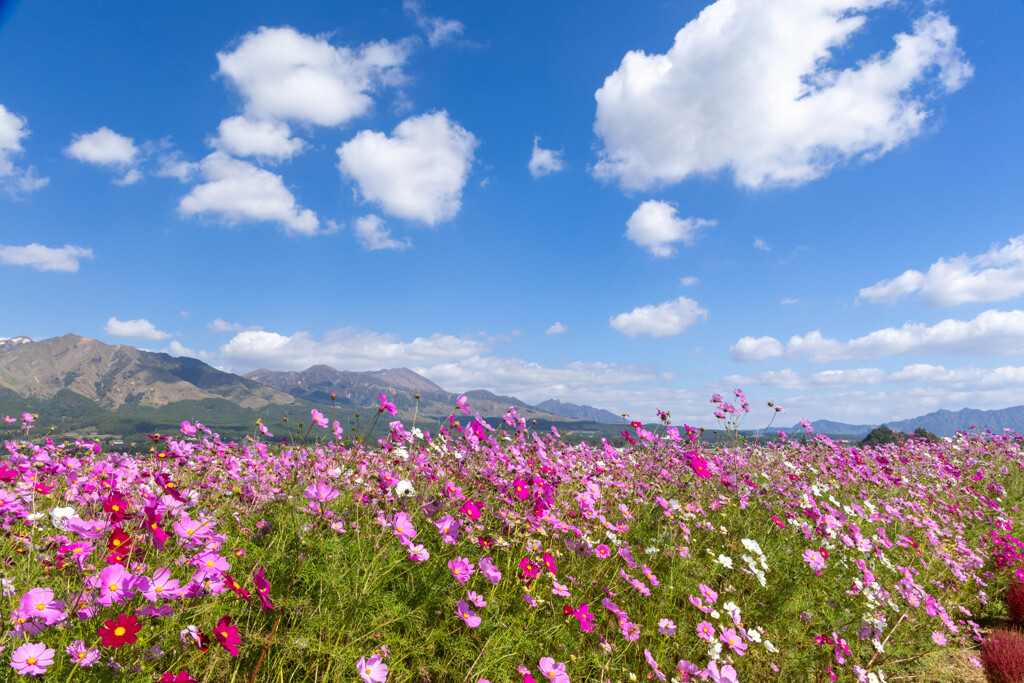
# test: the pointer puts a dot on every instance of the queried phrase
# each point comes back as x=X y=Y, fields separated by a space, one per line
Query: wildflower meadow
x=476 y=550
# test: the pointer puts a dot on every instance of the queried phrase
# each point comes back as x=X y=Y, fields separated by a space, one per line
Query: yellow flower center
x=209 y=563
x=76 y=550
x=190 y=532
x=399 y=529
x=224 y=634
x=113 y=586
x=30 y=660
x=119 y=631
x=159 y=589
x=40 y=606
x=115 y=508
x=81 y=655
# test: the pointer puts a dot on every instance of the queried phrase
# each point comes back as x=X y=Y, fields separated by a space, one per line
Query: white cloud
x=661 y=320
x=103 y=147
x=266 y=140
x=344 y=349
x=544 y=161
x=418 y=173
x=655 y=226
x=438 y=30
x=239 y=191
x=289 y=76
x=688 y=281
x=134 y=329
x=372 y=234
x=991 y=333
x=221 y=325
x=996 y=275
x=761 y=244
x=177 y=349
x=557 y=328
x=759 y=348
x=789 y=301
x=172 y=165
x=13 y=179
x=44 y=258
x=750 y=86
x=605 y=385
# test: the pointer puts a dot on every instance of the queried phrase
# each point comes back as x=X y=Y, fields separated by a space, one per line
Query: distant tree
x=879 y=435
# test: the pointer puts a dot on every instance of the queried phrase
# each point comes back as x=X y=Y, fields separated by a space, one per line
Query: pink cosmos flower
x=653 y=663
x=603 y=551
x=38 y=603
x=318 y=418
x=700 y=466
x=461 y=569
x=79 y=654
x=211 y=564
x=522 y=489
x=115 y=585
x=939 y=637
x=709 y=595
x=476 y=599
x=549 y=564
x=706 y=631
x=729 y=637
x=227 y=635
x=259 y=580
x=403 y=527
x=32 y=659
x=727 y=674
x=161 y=585
x=627 y=555
x=490 y=572
x=815 y=559
x=651 y=576
x=554 y=671
x=418 y=553
x=387 y=405
x=529 y=568
x=467 y=615
x=462 y=403
x=321 y=492
x=666 y=627
x=372 y=670
x=559 y=589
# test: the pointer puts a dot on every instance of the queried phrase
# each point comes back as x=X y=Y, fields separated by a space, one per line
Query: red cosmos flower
x=529 y=568
x=237 y=587
x=119 y=541
x=228 y=635
x=117 y=506
x=120 y=632
x=566 y=610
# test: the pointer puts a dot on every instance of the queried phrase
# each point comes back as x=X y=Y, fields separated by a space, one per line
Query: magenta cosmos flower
x=227 y=635
x=32 y=659
x=490 y=572
x=372 y=670
x=815 y=559
x=39 y=603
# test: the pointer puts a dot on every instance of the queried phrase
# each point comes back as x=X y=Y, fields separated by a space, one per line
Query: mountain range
x=940 y=422
x=82 y=386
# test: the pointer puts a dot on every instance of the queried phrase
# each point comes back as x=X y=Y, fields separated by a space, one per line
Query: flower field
x=490 y=551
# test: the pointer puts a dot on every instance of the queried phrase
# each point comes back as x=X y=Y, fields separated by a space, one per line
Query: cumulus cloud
x=688 y=281
x=661 y=320
x=263 y=139
x=755 y=348
x=557 y=328
x=991 y=333
x=418 y=172
x=345 y=349
x=761 y=244
x=751 y=87
x=104 y=147
x=544 y=161
x=236 y=190
x=655 y=226
x=372 y=234
x=285 y=75
x=15 y=180
x=171 y=164
x=438 y=30
x=134 y=329
x=44 y=258
x=996 y=275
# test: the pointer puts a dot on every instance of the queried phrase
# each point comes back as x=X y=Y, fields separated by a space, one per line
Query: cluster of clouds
x=990 y=333
x=996 y=275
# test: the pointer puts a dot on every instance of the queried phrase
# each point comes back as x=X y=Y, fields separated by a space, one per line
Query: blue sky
x=630 y=207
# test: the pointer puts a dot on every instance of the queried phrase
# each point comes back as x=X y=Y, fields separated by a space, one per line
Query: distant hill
x=401 y=385
x=553 y=405
x=113 y=376
x=940 y=422
x=81 y=386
